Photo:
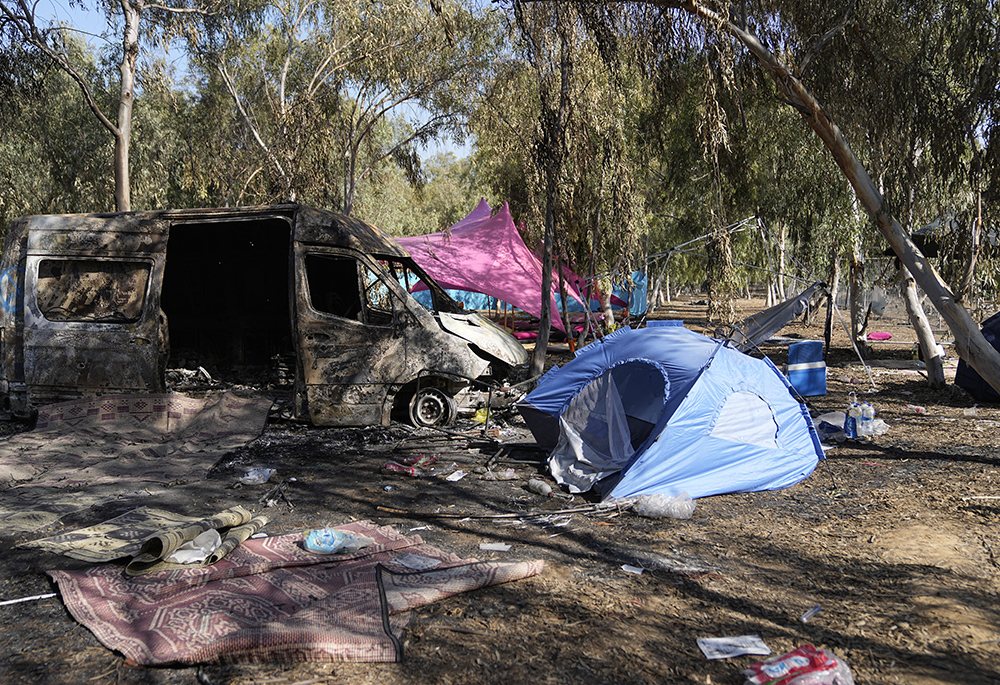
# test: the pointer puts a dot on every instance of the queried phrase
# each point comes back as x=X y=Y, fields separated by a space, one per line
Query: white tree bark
x=126 y=102
x=856 y=299
x=925 y=335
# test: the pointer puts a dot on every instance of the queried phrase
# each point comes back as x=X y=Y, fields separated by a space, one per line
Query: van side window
x=333 y=285
x=378 y=299
x=92 y=290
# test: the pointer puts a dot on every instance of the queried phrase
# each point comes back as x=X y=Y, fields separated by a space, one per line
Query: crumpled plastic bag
x=257 y=476
x=196 y=550
x=805 y=665
x=659 y=506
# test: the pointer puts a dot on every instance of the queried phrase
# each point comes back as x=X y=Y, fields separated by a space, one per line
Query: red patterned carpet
x=273 y=600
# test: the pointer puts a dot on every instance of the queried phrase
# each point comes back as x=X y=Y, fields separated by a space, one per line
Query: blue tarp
x=468 y=300
x=666 y=410
x=636 y=296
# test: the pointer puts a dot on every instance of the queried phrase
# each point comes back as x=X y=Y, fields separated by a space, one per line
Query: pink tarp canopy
x=484 y=253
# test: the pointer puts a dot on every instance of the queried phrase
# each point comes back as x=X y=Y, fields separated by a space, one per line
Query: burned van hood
x=485 y=335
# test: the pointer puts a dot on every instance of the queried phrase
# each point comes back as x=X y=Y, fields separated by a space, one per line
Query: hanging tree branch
x=969 y=341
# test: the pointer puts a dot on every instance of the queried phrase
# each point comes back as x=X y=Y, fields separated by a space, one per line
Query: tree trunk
x=662 y=287
x=781 y=295
x=925 y=336
x=123 y=135
x=833 y=284
x=969 y=341
x=856 y=298
x=545 y=323
x=720 y=277
x=609 y=313
x=975 y=237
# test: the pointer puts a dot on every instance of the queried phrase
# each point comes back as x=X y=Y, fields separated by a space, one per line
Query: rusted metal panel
x=320 y=227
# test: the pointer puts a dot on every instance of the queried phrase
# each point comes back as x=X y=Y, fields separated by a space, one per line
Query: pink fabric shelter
x=484 y=253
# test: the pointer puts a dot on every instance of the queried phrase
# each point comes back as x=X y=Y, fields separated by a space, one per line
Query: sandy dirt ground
x=895 y=540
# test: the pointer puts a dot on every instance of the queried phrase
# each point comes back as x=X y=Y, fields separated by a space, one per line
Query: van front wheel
x=432 y=407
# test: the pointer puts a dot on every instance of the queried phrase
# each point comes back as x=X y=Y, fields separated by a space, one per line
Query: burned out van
x=106 y=303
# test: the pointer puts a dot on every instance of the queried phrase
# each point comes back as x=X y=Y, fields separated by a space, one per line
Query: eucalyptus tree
x=321 y=85
x=47 y=151
x=553 y=129
x=135 y=20
x=770 y=31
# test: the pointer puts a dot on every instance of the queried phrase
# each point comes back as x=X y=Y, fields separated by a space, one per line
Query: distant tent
x=484 y=253
x=968 y=378
x=633 y=296
x=754 y=330
x=666 y=410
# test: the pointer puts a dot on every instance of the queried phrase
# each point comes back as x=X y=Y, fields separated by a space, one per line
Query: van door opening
x=226 y=297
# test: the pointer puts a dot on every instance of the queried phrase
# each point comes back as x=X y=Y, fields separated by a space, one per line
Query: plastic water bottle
x=540 y=487
x=866 y=428
x=852 y=421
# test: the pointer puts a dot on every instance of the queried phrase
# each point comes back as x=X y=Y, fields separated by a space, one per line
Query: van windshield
x=422 y=287
x=90 y=290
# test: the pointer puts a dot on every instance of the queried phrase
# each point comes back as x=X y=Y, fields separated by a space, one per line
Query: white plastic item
x=660 y=506
x=332 y=541
x=866 y=427
x=196 y=550
x=540 y=487
x=257 y=476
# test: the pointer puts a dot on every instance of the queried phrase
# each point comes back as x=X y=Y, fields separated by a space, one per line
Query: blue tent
x=665 y=410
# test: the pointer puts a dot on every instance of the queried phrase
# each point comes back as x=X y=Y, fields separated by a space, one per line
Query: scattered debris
x=505 y=474
x=257 y=476
x=33 y=598
x=659 y=506
x=805 y=665
x=729 y=647
x=333 y=541
x=810 y=613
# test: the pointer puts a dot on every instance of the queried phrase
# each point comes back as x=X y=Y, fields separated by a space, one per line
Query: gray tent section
x=749 y=333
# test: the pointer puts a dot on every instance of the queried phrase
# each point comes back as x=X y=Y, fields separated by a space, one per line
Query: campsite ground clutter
x=892 y=537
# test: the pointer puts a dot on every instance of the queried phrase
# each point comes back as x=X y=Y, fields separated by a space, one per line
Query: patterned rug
x=271 y=600
x=117 y=442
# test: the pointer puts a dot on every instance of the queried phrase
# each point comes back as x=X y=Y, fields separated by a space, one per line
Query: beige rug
x=149 y=536
x=81 y=452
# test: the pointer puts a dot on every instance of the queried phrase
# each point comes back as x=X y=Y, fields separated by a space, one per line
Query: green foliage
x=599 y=209
x=669 y=132
x=52 y=160
x=322 y=88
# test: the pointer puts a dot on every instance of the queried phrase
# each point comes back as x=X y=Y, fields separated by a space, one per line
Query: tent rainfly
x=664 y=410
x=484 y=253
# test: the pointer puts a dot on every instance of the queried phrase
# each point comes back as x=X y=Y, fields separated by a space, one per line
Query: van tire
x=432 y=406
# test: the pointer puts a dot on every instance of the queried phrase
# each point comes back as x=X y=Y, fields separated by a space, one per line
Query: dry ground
x=894 y=540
